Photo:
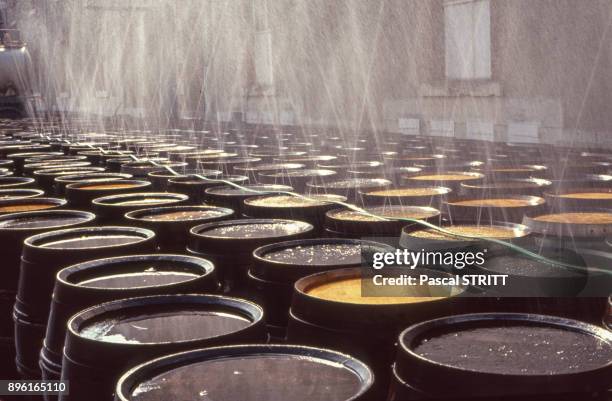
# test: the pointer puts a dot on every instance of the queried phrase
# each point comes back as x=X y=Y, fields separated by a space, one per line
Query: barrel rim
x=33 y=242
x=103 y=200
x=241 y=307
x=410 y=334
x=88 y=217
x=166 y=363
x=136 y=215
x=64 y=275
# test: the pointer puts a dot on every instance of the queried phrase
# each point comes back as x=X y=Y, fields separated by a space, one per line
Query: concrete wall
x=352 y=63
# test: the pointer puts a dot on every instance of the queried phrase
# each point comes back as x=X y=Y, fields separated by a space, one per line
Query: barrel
x=415 y=196
x=385 y=221
x=102 y=341
x=62 y=181
x=19 y=193
x=159 y=179
x=112 y=208
x=575 y=228
x=292 y=372
x=551 y=359
x=447 y=179
x=298 y=179
x=30 y=204
x=90 y=283
x=230 y=244
x=81 y=194
x=504 y=208
x=43 y=256
x=172 y=224
x=142 y=168
x=329 y=310
x=351 y=188
x=518 y=186
x=192 y=185
x=233 y=198
x=308 y=208
x=46 y=178
x=278 y=266
x=17 y=182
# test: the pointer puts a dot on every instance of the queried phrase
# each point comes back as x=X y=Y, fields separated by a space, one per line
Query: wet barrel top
x=293 y=373
x=506 y=354
x=247 y=234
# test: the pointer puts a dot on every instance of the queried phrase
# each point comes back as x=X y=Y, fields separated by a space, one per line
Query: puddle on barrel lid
x=146 y=201
x=180 y=215
x=26 y=207
x=257 y=230
x=98 y=187
x=269 y=377
x=36 y=222
x=319 y=254
x=146 y=278
x=92 y=241
x=165 y=326
x=517 y=349
x=349 y=290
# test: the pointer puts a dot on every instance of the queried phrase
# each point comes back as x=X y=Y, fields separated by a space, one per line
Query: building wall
x=356 y=64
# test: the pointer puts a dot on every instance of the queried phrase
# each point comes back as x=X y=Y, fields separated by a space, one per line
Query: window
x=264 y=76
x=467 y=29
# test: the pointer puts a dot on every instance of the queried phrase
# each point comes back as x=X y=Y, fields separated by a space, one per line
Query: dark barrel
x=329 y=310
x=172 y=224
x=426 y=196
x=191 y=185
x=30 y=204
x=43 y=256
x=97 y=281
x=502 y=356
x=298 y=178
x=485 y=210
x=17 y=182
x=46 y=178
x=230 y=244
x=351 y=188
x=278 y=266
x=384 y=221
x=250 y=373
x=14 y=228
x=104 y=341
x=112 y=208
x=62 y=181
x=233 y=198
x=80 y=194
x=308 y=208
x=19 y=193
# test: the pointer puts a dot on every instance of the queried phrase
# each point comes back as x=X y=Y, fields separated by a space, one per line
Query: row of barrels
x=244 y=259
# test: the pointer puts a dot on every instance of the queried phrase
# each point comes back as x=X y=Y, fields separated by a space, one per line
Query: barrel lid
x=92 y=176
x=43 y=220
x=232 y=371
x=384 y=220
x=578 y=222
x=91 y=241
x=30 y=204
x=247 y=234
x=134 y=272
x=507 y=354
x=431 y=239
x=179 y=215
x=246 y=191
x=290 y=260
x=138 y=199
x=162 y=319
x=6 y=182
x=19 y=193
